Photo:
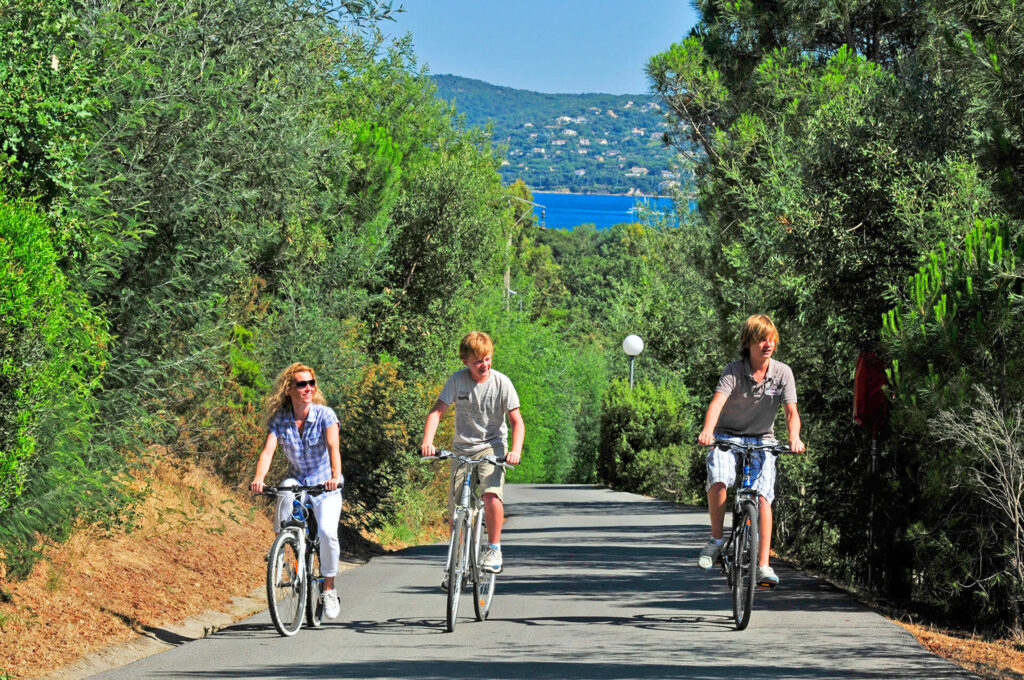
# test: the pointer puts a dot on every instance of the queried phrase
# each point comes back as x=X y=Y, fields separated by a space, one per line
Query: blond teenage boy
x=482 y=397
x=742 y=411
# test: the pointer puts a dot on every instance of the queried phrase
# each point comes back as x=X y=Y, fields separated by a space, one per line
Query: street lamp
x=518 y=297
x=632 y=346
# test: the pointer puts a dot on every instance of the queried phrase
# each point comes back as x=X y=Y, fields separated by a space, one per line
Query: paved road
x=597 y=584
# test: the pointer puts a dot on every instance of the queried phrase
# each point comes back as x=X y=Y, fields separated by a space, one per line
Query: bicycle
x=739 y=556
x=295 y=583
x=464 y=556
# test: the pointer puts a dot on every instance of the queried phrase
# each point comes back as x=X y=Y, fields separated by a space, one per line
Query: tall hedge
x=645 y=436
x=52 y=342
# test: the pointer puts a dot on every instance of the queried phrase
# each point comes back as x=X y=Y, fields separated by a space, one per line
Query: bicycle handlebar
x=500 y=462
x=315 y=489
x=776 y=449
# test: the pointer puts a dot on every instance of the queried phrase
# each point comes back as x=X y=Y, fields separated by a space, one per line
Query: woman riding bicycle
x=298 y=419
x=743 y=411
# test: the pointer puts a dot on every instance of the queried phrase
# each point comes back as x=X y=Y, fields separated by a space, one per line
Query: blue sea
x=565 y=211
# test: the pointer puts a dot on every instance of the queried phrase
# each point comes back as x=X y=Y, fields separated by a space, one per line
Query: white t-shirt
x=480 y=409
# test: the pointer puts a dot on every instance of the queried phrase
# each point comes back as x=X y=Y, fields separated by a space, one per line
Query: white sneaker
x=766 y=577
x=709 y=554
x=332 y=605
x=491 y=561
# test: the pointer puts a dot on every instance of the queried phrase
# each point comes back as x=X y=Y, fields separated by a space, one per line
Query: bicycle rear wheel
x=458 y=557
x=315 y=591
x=744 y=575
x=286 y=589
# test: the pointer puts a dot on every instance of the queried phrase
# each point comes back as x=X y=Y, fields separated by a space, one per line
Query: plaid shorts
x=722 y=466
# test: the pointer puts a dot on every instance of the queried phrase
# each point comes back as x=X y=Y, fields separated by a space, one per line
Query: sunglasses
x=299 y=384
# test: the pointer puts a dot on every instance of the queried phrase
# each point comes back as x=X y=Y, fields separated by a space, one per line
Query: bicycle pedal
x=767 y=585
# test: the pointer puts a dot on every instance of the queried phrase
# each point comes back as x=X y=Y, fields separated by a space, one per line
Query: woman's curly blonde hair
x=279 y=397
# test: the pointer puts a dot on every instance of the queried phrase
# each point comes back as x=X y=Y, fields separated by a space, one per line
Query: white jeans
x=327 y=509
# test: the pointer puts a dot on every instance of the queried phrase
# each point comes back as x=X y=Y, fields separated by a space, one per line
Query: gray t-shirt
x=480 y=409
x=751 y=408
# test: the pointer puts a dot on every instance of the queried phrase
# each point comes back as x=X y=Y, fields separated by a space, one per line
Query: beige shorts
x=489 y=477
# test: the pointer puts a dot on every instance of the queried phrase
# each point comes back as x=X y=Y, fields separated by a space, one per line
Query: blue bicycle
x=738 y=558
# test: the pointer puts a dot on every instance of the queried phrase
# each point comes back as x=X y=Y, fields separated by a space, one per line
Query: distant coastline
x=633 y=194
x=573 y=141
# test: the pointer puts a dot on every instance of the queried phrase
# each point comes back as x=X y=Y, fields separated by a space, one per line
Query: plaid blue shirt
x=308 y=460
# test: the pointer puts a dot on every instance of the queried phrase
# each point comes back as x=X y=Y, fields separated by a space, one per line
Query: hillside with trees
x=583 y=143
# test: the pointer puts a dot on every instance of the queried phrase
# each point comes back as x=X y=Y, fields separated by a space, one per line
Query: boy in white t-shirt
x=482 y=398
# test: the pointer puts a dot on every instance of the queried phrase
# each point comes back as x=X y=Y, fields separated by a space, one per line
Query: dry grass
x=998 y=659
x=197 y=545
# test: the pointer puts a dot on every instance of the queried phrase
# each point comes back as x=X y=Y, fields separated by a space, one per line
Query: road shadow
x=584 y=665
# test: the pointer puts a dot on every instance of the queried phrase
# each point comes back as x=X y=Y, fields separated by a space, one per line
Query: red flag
x=869 y=401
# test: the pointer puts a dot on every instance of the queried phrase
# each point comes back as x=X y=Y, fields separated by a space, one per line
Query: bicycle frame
x=745 y=493
x=469 y=506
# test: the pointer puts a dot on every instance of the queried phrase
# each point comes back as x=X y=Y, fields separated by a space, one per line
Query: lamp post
x=632 y=346
x=508 y=246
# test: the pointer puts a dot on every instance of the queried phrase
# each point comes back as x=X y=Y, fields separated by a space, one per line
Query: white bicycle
x=464 y=555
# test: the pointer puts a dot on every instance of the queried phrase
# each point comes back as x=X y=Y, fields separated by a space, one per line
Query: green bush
x=55 y=469
x=642 y=430
x=675 y=472
x=380 y=423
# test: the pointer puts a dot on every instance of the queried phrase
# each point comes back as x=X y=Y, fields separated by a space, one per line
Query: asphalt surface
x=597 y=584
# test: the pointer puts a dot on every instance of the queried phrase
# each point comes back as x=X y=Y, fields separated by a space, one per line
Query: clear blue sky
x=544 y=45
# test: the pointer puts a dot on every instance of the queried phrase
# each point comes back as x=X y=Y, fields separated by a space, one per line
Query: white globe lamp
x=632 y=346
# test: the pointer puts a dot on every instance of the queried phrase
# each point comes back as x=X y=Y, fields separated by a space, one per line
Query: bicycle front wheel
x=483 y=591
x=744 y=577
x=315 y=591
x=483 y=581
x=457 y=562
x=286 y=588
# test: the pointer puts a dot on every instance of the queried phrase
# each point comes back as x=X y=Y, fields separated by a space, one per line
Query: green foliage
x=245 y=368
x=48 y=92
x=379 y=419
x=52 y=343
x=72 y=481
x=450 y=235
x=559 y=384
x=986 y=55
x=960 y=327
x=957 y=335
x=643 y=432
x=675 y=472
